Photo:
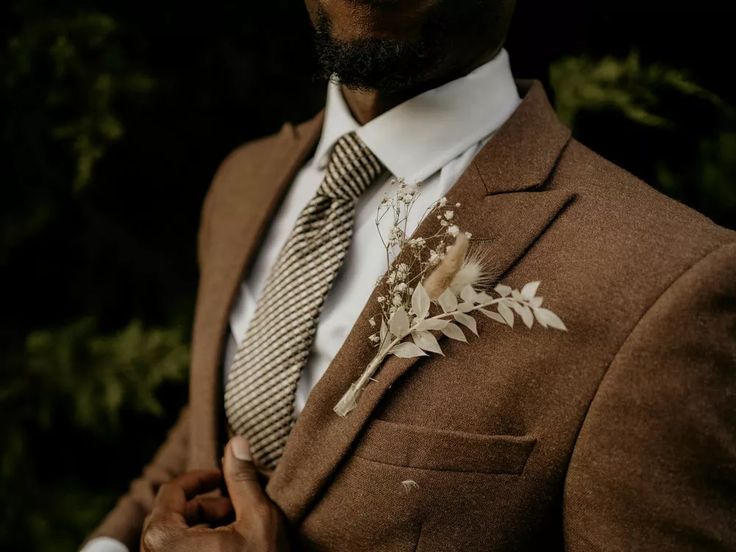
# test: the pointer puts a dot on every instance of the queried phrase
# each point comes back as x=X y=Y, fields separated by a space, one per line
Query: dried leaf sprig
x=446 y=275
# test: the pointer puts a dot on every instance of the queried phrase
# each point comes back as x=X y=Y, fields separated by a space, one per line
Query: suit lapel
x=245 y=193
x=506 y=212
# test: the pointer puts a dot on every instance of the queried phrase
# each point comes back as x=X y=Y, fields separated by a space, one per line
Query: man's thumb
x=241 y=478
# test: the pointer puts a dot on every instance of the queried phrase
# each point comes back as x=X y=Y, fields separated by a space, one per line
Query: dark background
x=114 y=117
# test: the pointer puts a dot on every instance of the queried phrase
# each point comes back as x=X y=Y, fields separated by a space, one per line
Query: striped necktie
x=262 y=381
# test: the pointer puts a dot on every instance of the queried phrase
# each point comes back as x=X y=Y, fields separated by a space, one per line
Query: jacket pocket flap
x=445 y=450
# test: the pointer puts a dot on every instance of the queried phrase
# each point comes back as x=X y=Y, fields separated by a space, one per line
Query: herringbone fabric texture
x=261 y=387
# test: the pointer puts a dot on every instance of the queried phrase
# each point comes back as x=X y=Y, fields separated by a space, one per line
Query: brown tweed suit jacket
x=618 y=435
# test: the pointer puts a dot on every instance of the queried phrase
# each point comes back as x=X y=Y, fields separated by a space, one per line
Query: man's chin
x=374 y=64
x=371 y=59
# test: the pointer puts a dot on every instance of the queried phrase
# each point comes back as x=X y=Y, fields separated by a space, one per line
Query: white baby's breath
x=408 y=318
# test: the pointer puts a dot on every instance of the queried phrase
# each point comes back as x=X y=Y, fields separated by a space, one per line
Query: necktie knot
x=351 y=169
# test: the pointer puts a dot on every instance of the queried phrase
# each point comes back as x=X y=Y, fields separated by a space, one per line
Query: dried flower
x=475 y=271
x=439 y=280
x=451 y=276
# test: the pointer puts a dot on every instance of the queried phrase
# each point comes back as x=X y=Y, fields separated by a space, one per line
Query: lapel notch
x=525 y=150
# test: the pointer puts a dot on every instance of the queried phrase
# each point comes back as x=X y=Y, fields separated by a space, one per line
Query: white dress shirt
x=429 y=141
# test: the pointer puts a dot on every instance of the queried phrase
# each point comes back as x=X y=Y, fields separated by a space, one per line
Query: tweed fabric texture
x=261 y=388
x=617 y=435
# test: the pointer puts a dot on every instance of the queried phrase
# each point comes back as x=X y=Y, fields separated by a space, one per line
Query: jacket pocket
x=444 y=450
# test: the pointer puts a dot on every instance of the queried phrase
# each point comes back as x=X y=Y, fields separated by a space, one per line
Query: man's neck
x=367 y=104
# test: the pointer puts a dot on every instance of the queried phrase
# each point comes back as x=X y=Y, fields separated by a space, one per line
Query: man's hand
x=258 y=526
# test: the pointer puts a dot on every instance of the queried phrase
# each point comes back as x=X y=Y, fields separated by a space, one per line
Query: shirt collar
x=418 y=137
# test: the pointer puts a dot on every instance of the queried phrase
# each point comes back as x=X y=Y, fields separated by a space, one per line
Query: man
x=616 y=435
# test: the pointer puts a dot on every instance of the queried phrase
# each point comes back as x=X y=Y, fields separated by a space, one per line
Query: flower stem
x=349 y=400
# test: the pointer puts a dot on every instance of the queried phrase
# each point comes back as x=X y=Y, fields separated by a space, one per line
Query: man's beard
x=392 y=65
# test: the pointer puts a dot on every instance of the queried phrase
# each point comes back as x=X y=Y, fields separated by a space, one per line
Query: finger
x=161 y=527
x=172 y=496
x=264 y=474
x=160 y=532
x=208 y=509
x=241 y=478
x=170 y=499
x=199 y=482
x=221 y=539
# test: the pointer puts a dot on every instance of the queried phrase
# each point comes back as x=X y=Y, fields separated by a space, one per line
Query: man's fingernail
x=240 y=448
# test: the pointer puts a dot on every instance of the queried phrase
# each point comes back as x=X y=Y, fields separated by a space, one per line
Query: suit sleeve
x=654 y=465
x=125 y=521
x=104 y=544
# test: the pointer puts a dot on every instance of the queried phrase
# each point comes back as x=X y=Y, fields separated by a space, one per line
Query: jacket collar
x=416 y=138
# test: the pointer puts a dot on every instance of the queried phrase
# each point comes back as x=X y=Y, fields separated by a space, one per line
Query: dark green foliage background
x=113 y=118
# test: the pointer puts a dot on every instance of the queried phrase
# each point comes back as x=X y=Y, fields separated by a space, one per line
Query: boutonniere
x=439 y=284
